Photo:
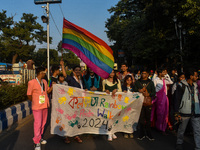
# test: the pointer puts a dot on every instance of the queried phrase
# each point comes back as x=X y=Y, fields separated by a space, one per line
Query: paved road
x=19 y=137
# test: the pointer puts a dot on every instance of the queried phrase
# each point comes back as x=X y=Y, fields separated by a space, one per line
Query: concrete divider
x=13 y=114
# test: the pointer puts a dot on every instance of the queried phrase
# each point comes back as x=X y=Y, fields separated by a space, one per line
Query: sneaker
x=37 y=146
x=114 y=136
x=109 y=137
x=150 y=137
x=141 y=137
x=42 y=141
x=179 y=147
x=131 y=136
x=126 y=136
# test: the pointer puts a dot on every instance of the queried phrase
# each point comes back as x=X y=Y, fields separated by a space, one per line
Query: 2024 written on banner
x=75 y=111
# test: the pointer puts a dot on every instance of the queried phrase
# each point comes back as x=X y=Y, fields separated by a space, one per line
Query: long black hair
x=126 y=78
x=72 y=73
x=115 y=79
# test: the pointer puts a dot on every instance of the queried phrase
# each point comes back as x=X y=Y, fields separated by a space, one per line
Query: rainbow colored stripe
x=50 y=82
x=94 y=52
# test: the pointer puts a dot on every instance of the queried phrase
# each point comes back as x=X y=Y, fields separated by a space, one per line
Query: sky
x=88 y=14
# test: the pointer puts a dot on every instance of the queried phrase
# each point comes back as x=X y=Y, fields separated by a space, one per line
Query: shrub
x=10 y=95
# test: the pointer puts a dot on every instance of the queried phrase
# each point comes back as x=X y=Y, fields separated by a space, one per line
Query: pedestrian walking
x=187 y=108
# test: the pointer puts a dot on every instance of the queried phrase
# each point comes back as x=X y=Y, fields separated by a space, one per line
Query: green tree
x=19 y=40
x=145 y=31
x=70 y=59
x=68 y=56
x=5 y=22
x=40 y=57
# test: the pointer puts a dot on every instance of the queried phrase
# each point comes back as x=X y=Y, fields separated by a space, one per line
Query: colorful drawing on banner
x=90 y=92
x=119 y=97
x=58 y=119
x=59 y=110
x=136 y=96
x=62 y=100
x=70 y=117
x=62 y=127
x=61 y=91
x=93 y=113
x=126 y=118
x=71 y=91
x=73 y=123
x=126 y=100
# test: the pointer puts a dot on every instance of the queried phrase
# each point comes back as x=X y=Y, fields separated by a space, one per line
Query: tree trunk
x=14 y=58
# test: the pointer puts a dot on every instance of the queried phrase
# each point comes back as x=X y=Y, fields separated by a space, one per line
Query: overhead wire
x=61 y=11
x=55 y=23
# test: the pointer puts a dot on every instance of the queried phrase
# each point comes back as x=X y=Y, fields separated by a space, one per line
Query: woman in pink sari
x=160 y=108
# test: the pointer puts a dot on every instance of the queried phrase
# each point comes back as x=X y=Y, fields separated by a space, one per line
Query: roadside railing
x=27 y=75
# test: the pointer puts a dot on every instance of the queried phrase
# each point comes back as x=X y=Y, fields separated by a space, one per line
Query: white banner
x=75 y=111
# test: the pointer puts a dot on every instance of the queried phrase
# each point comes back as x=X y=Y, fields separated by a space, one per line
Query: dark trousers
x=145 y=120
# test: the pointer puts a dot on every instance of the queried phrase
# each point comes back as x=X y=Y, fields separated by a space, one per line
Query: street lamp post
x=181 y=44
x=175 y=21
x=179 y=36
x=46 y=20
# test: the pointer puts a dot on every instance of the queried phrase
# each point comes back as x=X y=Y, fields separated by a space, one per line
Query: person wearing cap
x=151 y=74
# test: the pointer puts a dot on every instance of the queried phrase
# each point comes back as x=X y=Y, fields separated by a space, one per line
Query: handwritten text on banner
x=75 y=111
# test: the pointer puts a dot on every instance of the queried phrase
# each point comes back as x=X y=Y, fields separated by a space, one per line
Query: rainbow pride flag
x=93 y=51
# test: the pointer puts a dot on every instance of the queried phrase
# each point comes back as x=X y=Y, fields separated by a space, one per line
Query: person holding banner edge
x=74 y=80
x=92 y=81
x=112 y=84
x=128 y=87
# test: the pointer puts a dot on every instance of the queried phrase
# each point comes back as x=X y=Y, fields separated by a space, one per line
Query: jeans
x=196 y=129
x=145 y=120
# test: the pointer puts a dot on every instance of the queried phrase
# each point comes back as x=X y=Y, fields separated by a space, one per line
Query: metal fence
x=27 y=75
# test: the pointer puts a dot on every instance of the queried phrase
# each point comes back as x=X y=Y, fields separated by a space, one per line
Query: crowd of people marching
x=171 y=99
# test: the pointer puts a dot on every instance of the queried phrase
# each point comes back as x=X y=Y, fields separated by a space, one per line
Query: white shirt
x=79 y=81
x=154 y=76
x=64 y=83
x=159 y=82
x=129 y=90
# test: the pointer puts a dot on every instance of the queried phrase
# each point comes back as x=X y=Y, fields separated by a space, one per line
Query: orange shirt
x=34 y=89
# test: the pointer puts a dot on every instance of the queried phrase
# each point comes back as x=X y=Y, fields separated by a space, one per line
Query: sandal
x=131 y=136
x=126 y=136
x=66 y=140
x=77 y=138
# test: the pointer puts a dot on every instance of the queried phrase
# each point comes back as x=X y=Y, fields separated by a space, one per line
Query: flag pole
x=48 y=67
